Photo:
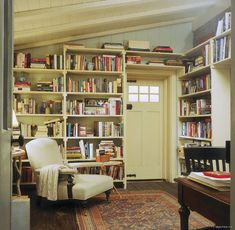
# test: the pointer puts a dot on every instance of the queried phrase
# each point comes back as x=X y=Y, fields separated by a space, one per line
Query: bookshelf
x=207 y=73
x=88 y=86
x=95 y=111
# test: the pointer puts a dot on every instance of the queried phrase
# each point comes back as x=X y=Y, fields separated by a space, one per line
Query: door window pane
x=133 y=97
x=154 y=89
x=154 y=98
x=144 y=89
x=132 y=89
x=144 y=98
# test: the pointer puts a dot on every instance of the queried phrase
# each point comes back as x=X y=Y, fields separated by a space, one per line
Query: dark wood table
x=210 y=203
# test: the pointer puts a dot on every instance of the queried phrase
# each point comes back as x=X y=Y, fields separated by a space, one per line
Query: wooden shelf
x=34 y=70
x=77 y=49
x=31 y=138
x=94 y=72
x=154 y=54
x=78 y=138
x=95 y=116
x=204 y=92
x=195 y=116
x=39 y=92
x=196 y=72
x=153 y=67
x=225 y=33
x=95 y=94
x=39 y=115
x=195 y=138
x=223 y=63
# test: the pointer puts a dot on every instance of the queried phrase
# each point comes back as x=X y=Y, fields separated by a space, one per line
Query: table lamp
x=15 y=122
x=17 y=137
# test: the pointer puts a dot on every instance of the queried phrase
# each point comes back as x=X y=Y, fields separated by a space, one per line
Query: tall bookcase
x=81 y=100
x=204 y=94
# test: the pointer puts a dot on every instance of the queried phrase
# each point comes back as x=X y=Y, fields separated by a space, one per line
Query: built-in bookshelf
x=195 y=106
x=204 y=112
x=76 y=98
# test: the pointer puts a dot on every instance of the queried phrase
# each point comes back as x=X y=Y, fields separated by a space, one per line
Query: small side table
x=17 y=164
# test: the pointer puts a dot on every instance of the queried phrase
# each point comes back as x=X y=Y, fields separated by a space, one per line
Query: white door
x=145 y=130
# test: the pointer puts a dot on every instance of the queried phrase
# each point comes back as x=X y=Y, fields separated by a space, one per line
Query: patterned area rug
x=135 y=210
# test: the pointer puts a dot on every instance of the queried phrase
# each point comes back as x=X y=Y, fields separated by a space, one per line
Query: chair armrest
x=62 y=171
x=84 y=164
x=68 y=171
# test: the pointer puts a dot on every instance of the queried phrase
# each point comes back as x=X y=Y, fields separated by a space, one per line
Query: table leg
x=184 y=215
x=18 y=168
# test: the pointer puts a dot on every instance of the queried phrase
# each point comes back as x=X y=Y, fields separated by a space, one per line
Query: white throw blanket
x=48 y=181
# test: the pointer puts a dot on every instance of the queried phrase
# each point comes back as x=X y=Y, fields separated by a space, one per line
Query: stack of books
x=23 y=86
x=163 y=49
x=41 y=131
x=73 y=152
x=214 y=179
x=112 y=45
x=38 y=63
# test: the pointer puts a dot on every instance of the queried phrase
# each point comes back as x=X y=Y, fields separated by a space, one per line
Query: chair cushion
x=86 y=186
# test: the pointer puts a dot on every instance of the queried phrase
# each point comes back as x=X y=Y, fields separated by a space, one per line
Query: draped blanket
x=48 y=181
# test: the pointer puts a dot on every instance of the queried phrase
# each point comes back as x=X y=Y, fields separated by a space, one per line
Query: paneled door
x=144 y=129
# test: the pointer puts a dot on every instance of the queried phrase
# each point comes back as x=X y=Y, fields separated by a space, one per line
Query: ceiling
x=45 y=22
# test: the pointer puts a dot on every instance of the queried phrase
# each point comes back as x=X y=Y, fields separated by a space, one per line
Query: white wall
x=179 y=37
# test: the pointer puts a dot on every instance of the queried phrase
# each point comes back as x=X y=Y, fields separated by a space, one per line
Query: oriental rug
x=135 y=210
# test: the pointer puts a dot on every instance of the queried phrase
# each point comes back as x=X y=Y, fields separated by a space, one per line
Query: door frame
x=169 y=75
x=6 y=48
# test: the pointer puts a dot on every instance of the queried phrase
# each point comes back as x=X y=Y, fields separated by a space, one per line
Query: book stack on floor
x=112 y=45
x=216 y=180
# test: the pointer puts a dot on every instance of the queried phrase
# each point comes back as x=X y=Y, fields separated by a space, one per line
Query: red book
x=217 y=174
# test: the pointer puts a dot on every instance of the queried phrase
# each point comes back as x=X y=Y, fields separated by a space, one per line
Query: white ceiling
x=44 y=22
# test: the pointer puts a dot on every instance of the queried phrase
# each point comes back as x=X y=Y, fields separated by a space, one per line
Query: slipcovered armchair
x=58 y=181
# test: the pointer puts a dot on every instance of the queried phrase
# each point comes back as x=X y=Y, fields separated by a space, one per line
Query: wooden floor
x=61 y=216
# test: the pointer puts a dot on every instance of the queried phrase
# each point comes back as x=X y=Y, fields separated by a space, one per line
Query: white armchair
x=52 y=174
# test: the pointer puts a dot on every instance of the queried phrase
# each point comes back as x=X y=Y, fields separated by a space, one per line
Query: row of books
x=133 y=59
x=115 y=171
x=108 y=129
x=56 y=85
x=196 y=84
x=29 y=106
x=55 y=128
x=195 y=107
x=222 y=48
x=223 y=24
x=107 y=63
x=24 y=106
x=199 y=129
x=51 y=61
x=87 y=149
x=93 y=85
x=111 y=106
x=27 y=175
x=99 y=62
x=101 y=129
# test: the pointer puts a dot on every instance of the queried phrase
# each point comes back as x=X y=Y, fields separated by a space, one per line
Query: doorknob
x=129 y=106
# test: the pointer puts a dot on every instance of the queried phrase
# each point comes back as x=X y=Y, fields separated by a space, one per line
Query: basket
x=103 y=158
